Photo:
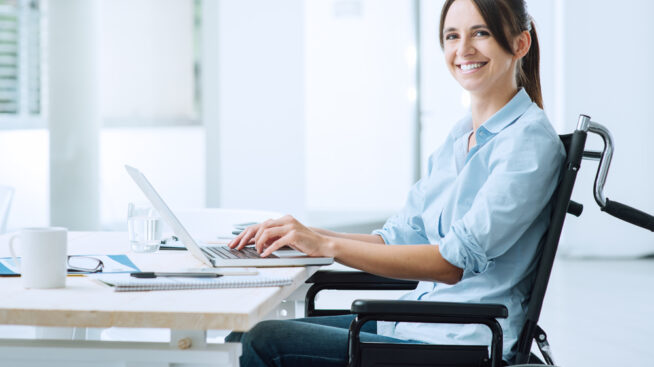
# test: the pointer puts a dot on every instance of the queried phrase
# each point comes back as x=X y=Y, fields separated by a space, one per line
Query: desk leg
x=50 y=332
x=292 y=307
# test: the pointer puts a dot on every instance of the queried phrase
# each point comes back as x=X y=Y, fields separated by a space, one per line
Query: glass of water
x=144 y=227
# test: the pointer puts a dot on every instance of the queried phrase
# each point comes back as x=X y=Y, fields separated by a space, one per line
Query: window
x=149 y=63
x=20 y=63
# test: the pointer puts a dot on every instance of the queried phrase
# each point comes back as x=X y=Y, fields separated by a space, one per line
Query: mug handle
x=11 y=248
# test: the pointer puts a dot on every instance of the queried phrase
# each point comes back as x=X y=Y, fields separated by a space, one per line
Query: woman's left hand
x=288 y=231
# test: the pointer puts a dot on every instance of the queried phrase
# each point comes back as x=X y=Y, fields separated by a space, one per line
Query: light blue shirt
x=487 y=210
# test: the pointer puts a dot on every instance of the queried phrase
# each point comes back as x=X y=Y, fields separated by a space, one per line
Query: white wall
x=314 y=104
x=24 y=165
x=172 y=158
x=147 y=61
x=360 y=103
x=607 y=77
x=147 y=84
x=162 y=153
x=260 y=104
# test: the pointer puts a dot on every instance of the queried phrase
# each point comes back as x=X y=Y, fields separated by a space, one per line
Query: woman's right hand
x=251 y=234
x=246 y=237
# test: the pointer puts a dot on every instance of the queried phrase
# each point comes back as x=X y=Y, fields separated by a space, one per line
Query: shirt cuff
x=382 y=233
x=460 y=249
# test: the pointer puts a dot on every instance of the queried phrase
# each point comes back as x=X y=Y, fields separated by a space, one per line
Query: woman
x=470 y=228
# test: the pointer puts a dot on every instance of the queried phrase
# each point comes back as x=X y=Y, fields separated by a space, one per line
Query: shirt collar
x=507 y=115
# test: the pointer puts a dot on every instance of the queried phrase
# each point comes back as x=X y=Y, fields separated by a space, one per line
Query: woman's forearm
x=417 y=262
x=370 y=238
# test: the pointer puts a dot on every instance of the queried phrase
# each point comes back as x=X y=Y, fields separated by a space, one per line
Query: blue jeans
x=314 y=341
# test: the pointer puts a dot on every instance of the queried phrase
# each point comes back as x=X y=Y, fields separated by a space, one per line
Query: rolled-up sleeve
x=402 y=229
x=521 y=181
x=461 y=249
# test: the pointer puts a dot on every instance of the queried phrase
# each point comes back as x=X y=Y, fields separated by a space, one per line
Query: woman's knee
x=264 y=334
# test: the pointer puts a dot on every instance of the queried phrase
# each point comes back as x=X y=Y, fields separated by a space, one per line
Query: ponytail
x=529 y=70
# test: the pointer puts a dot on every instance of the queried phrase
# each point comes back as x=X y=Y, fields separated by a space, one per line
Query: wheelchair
x=387 y=354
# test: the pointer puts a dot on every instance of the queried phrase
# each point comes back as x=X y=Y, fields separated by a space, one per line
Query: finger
x=258 y=245
x=262 y=227
x=287 y=239
x=270 y=223
x=270 y=235
x=247 y=237
x=236 y=240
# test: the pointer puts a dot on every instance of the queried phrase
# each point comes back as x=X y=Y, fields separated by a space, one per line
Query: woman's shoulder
x=531 y=132
x=535 y=120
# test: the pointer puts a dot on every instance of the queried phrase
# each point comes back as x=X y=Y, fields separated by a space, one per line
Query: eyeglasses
x=84 y=264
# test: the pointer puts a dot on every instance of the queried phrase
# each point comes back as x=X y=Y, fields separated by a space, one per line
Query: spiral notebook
x=125 y=283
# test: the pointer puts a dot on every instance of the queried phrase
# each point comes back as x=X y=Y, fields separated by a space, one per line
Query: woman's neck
x=483 y=106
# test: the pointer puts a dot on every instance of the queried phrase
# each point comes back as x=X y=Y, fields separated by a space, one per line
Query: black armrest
x=348 y=280
x=425 y=311
x=357 y=277
x=426 y=308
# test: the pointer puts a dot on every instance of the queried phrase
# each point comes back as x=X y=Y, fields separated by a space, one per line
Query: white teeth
x=467 y=67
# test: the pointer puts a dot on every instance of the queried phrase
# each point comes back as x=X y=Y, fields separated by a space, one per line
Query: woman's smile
x=471 y=67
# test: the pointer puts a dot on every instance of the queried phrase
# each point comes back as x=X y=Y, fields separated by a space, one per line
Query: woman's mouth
x=471 y=67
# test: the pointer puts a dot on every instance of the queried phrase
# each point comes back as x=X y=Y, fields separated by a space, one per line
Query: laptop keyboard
x=225 y=252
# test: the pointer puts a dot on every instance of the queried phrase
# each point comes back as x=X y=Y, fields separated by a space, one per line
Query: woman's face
x=472 y=54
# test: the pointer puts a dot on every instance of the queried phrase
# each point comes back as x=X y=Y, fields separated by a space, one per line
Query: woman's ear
x=521 y=44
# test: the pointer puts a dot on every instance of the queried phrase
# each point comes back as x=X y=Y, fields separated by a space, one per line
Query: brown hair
x=510 y=17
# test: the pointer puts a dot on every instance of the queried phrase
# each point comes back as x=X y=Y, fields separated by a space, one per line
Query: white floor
x=601 y=312
x=597 y=313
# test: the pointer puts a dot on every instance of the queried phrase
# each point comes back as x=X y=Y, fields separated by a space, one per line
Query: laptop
x=220 y=255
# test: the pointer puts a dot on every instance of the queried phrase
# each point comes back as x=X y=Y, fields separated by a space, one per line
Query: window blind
x=20 y=57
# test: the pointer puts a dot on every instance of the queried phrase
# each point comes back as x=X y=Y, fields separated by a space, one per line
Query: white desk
x=87 y=304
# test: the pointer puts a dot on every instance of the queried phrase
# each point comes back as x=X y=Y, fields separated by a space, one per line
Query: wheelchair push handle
x=614 y=208
x=629 y=214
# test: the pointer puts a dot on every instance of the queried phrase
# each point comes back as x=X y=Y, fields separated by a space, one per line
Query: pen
x=173 y=248
x=183 y=275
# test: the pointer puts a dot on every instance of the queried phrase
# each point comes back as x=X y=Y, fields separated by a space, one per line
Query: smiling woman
x=470 y=228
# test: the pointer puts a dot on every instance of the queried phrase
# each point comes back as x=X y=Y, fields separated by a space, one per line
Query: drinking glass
x=144 y=226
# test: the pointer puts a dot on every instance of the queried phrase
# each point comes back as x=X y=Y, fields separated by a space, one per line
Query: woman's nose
x=466 y=47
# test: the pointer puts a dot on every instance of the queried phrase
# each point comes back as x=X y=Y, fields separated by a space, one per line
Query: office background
x=296 y=106
x=325 y=109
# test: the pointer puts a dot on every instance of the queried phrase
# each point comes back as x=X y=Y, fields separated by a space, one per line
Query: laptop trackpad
x=288 y=253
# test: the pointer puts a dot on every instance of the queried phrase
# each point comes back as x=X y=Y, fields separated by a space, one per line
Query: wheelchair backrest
x=574 y=146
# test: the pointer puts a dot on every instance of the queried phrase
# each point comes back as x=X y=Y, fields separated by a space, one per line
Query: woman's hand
x=274 y=234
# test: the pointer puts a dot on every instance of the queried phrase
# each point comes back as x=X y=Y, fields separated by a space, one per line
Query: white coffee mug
x=44 y=257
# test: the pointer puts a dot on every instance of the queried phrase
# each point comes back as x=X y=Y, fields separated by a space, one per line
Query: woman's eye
x=450 y=36
x=481 y=33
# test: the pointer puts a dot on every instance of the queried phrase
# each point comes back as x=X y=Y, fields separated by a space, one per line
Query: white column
x=210 y=103
x=74 y=118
